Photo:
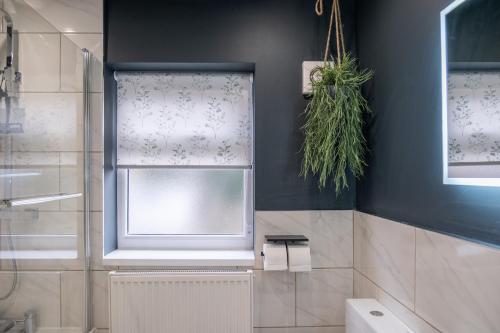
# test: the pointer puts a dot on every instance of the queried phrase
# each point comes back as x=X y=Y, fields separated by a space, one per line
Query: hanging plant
x=334 y=140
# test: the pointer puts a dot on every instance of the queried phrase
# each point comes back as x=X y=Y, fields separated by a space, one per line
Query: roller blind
x=202 y=119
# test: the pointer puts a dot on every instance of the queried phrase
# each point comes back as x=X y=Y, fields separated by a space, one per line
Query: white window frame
x=244 y=241
x=185 y=242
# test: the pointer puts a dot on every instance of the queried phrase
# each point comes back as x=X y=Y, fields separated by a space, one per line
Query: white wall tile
x=337 y=329
x=72 y=173
x=274 y=299
x=59 y=330
x=56 y=242
x=38 y=291
x=321 y=296
x=364 y=288
x=36 y=222
x=32 y=160
x=329 y=233
x=96 y=224
x=72 y=299
x=52 y=122
x=46 y=182
x=39 y=62
x=384 y=251
x=25 y=18
x=457 y=284
x=72 y=61
x=70 y=15
x=100 y=300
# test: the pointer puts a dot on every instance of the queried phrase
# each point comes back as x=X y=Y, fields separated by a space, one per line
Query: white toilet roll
x=299 y=257
x=275 y=258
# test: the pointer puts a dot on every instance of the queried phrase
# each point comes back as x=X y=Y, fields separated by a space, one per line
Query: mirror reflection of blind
x=474 y=117
x=184 y=119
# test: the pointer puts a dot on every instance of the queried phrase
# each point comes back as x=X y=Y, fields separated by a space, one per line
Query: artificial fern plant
x=334 y=140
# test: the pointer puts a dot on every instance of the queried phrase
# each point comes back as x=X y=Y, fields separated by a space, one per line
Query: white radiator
x=181 y=302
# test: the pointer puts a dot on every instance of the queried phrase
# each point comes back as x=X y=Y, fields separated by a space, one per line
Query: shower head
x=10 y=75
x=10 y=30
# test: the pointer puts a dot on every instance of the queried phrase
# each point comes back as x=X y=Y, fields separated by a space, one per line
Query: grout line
x=289 y=327
x=60 y=62
x=295 y=299
x=59 y=180
x=397 y=300
x=314 y=269
x=353 y=239
x=415 y=276
x=60 y=298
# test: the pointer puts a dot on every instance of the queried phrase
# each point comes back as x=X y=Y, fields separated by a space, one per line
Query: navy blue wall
x=276 y=35
x=400 y=40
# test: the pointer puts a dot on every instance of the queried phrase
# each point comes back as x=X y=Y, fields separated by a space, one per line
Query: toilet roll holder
x=284 y=239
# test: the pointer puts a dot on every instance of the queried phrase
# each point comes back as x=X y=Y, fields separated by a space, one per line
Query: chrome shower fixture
x=10 y=76
x=10 y=79
x=14 y=202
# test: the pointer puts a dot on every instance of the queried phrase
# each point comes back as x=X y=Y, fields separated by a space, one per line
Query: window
x=185 y=160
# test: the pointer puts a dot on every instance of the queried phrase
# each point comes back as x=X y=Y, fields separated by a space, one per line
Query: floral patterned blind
x=184 y=118
x=474 y=117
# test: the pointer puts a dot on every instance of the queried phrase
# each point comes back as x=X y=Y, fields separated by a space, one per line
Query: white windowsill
x=242 y=258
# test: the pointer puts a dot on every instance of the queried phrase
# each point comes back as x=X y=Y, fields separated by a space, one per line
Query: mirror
x=470 y=46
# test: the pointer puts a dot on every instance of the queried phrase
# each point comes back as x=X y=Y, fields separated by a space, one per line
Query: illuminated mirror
x=470 y=43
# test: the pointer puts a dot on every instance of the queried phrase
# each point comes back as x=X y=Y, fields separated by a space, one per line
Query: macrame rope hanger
x=339 y=30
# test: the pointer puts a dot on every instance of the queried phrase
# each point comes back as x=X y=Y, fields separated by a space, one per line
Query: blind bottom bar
x=184 y=166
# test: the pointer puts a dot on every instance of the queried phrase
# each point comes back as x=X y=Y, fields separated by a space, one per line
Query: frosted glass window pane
x=186 y=201
x=184 y=118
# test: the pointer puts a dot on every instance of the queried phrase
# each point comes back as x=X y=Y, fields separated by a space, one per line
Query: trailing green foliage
x=333 y=127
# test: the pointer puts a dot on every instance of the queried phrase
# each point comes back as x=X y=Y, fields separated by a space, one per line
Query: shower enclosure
x=46 y=106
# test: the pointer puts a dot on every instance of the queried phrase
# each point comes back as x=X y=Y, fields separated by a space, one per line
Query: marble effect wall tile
x=274 y=299
x=321 y=296
x=44 y=178
x=25 y=18
x=44 y=168
x=72 y=174
x=100 y=299
x=384 y=251
x=39 y=62
x=35 y=222
x=329 y=233
x=39 y=291
x=70 y=16
x=72 y=299
x=364 y=288
x=457 y=284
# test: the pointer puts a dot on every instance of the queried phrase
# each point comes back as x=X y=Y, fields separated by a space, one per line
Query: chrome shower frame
x=87 y=104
